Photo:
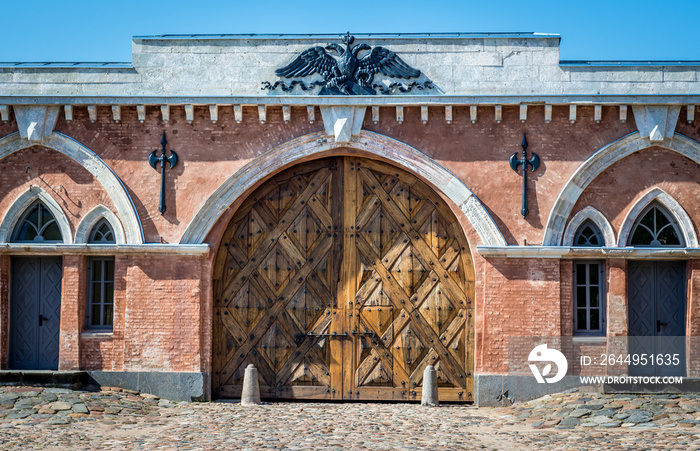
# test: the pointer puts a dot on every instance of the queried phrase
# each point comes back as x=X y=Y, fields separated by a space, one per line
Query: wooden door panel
x=275 y=283
x=413 y=299
x=343 y=279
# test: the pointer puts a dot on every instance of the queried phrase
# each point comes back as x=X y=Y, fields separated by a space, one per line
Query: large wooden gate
x=343 y=278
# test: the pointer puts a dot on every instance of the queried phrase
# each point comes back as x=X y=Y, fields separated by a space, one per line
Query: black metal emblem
x=348 y=74
x=534 y=163
x=153 y=160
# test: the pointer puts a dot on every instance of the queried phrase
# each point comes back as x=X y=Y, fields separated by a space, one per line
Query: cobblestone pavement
x=35 y=418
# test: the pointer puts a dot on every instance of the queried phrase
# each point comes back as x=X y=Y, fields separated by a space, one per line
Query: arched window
x=589 y=235
x=102 y=233
x=37 y=224
x=656 y=227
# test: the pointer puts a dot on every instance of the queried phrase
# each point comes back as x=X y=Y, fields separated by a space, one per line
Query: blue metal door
x=656 y=293
x=35 y=311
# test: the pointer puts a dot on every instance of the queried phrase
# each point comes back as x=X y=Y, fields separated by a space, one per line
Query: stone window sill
x=96 y=334
x=586 y=339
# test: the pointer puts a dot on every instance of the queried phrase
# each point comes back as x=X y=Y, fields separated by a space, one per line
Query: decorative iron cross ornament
x=153 y=159
x=534 y=163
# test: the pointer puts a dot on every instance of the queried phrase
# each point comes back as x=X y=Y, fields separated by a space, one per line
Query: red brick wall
x=72 y=304
x=162 y=327
x=566 y=297
x=96 y=353
x=521 y=299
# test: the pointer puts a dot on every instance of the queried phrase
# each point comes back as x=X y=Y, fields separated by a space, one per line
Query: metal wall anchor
x=534 y=163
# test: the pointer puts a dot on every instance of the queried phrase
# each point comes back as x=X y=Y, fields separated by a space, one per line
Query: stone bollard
x=430 y=392
x=251 y=387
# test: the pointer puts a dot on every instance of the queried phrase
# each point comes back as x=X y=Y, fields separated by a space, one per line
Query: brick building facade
x=233 y=271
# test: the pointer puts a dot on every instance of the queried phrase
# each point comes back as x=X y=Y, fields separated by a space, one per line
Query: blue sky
x=591 y=30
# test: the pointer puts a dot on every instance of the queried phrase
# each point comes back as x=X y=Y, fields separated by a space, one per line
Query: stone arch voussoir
x=589 y=214
x=679 y=215
x=596 y=164
x=88 y=221
x=371 y=143
x=88 y=159
x=24 y=201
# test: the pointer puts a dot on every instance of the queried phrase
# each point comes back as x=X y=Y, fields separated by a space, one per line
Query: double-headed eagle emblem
x=348 y=73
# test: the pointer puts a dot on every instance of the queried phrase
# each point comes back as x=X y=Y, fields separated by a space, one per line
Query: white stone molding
x=623 y=113
x=547 y=114
x=572 y=113
x=399 y=114
x=598 y=113
x=424 y=113
x=498 y=113
x=523 y=112
x=472 y=113
x=595 y=165
x=24 y=201
x=116 y=113
x=311 y=113
x=213 y=113
x=82 y=234
x=589 y=214
x=68 y=112
x=656 y=122
x=5 y=113
x=189 y=113
x=262 y=113
x=95 y=166
x=690 y=116
x=165 y=113
x=36 y=122
x=343 y=122
x=141 y=112
x=375 y=114
x=238 y=113
x=286 y=113
x=678 y=216
x=92 y=113
x=368 y=143
x=448 y=114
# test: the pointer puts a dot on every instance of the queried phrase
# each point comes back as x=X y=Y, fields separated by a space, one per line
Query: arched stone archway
x=344 y=278
x=20 y=205
x=82 y=234
x=589 y=213
x=316 y=145
x=93 y=164
x=679 y=214
x=595 y=165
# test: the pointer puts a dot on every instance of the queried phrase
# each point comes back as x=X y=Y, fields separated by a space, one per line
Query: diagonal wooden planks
x=379 y=249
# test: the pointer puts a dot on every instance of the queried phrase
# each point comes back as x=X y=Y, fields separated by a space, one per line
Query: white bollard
x=430 y=391
x=251 y=387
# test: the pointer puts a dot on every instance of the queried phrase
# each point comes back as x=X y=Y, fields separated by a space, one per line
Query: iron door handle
x=659 y=324
x=42 y=319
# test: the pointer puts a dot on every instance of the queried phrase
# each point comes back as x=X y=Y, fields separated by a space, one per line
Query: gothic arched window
x=656 y=227
x=102 y=233
x=37 y=224
x=589 y=235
